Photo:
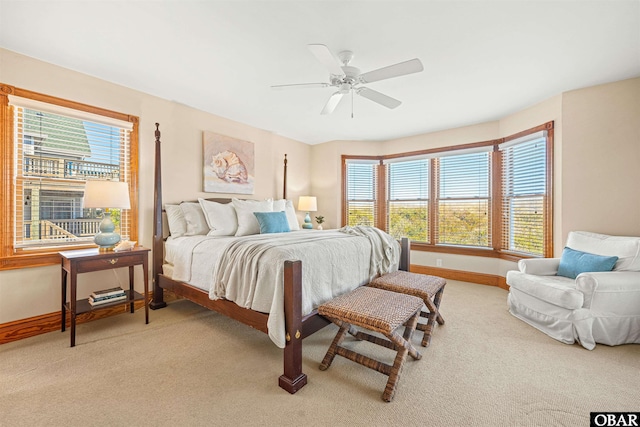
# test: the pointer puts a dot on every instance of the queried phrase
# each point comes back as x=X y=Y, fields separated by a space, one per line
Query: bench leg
x=331 y=353
x=410 y=327
x=436 y=302
x=404 y=347
x=432 y=316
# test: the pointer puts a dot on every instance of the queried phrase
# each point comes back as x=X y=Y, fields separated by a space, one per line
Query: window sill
x=469 y=251
x=39 y=259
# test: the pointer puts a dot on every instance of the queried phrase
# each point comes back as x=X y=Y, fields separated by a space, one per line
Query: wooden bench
x=378 y=311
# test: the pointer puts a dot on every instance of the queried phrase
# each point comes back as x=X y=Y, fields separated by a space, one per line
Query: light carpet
x=193 y=367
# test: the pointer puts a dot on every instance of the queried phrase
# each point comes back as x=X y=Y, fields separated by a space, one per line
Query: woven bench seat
x=429 y=288
x=378 y=311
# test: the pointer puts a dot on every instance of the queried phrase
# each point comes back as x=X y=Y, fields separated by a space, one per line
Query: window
x=488 y=198
x=408 y=199
x=524 y=190
x=463 y=203
x=50 y=149
x=361 y=178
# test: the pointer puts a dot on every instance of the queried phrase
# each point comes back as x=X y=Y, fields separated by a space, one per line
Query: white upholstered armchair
x=595 y=307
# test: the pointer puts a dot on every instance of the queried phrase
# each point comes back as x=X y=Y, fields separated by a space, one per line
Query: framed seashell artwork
x=229 y=164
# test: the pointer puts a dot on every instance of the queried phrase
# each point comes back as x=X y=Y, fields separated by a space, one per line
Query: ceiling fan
x=348 y=78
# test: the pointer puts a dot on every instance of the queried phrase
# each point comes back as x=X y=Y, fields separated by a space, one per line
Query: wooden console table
x=90 y=260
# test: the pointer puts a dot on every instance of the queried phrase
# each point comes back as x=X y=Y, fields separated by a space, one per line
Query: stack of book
x=106 y=296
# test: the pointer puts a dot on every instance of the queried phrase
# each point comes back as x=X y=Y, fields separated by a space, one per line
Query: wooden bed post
x=405 y=254
x=293 y=379
x=158 y=250
x=284 y=185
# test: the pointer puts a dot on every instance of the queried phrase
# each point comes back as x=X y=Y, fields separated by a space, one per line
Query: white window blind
x=361 y=198
x=524 y=188
x=56 y=153
x=408 y=199
x=463 y=202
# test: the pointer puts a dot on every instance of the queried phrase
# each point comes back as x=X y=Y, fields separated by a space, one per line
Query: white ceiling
x=483 y=59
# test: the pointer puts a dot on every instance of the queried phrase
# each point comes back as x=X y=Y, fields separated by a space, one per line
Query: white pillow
x=627 y=249
x=278 y=205
x=194 y=216
x=287 y=207
x=247 y=222
x=221 y=218
x=176 y=221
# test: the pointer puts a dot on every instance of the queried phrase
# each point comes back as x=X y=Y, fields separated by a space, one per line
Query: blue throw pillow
x=575 y=262
x=272 y=222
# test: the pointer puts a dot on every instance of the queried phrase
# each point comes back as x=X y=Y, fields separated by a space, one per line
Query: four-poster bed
x=297 y=326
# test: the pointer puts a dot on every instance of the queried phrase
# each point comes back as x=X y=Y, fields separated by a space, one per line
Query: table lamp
x=106 y=195
x=307 y=204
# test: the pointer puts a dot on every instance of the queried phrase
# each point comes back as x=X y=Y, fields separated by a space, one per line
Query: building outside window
x=56 y=154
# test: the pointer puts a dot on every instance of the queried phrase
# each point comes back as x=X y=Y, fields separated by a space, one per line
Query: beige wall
x=35 y=291
x=601 y=159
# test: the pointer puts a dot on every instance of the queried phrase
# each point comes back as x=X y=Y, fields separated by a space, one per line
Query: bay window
x=488 y=198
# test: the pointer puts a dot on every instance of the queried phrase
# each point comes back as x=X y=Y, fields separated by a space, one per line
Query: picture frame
x=228 y=164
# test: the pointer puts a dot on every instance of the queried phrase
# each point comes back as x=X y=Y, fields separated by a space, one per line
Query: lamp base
x=106 y=239
x=307 y=222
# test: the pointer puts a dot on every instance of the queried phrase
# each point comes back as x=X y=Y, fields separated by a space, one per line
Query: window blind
x=408 y=199
x=361 y=198
x=55 y=155
x=524 y=188
x=463 y=201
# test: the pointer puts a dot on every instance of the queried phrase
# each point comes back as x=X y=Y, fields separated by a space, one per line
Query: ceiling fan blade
x=327 y=59
x=378 y=97
x=396 y=70
x=300 y=85
x=332 y=103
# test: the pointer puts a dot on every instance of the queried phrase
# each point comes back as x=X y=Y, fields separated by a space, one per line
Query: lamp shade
x=307 y=204
x=106 y=194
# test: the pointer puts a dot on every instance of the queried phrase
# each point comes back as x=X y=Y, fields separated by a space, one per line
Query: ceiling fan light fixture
x=345 y=56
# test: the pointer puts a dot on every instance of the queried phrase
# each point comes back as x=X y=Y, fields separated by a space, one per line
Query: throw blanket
x=239 y=265
x=250 y=270
x=384 y=253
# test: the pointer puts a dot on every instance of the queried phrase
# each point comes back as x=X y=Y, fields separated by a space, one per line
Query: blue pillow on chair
x=272 y=222
x=575 y=262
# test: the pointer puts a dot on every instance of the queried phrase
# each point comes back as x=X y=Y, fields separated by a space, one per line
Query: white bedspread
x=249 y=270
